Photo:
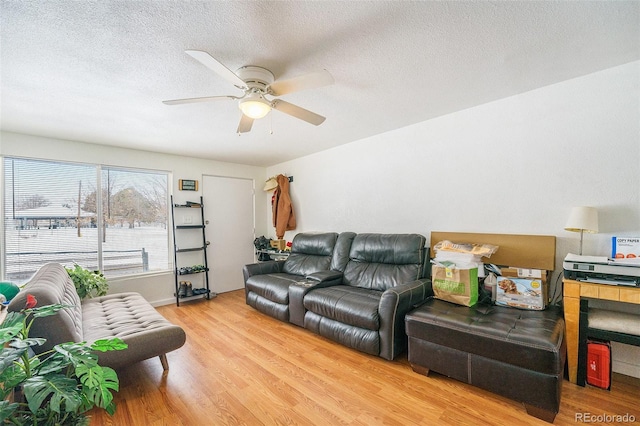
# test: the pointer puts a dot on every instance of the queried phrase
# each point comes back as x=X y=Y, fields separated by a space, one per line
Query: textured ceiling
x=97 y=71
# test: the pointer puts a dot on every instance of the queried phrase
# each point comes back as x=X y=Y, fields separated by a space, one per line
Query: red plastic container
x=599 y=364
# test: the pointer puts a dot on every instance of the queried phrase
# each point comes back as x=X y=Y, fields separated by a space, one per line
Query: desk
x=573 y=291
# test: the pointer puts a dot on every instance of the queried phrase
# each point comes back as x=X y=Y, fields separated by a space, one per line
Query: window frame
x=99 y=169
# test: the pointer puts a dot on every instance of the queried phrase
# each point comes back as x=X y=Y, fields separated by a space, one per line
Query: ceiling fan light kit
x=254 y=106
x=256 y=82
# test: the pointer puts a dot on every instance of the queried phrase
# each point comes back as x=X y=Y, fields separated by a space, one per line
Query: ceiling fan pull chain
x=270 y=124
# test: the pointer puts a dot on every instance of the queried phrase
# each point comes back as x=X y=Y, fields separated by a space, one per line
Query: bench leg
x=164 y=362
x=420 y=370
x=541 y=413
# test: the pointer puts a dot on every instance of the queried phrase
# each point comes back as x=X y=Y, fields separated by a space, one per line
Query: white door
x=229 y=215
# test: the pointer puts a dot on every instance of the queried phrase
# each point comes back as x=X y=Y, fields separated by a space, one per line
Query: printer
x=601 y=270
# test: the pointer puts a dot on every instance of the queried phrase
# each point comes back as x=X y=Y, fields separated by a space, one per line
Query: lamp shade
x=255 y=107
x=583 y=219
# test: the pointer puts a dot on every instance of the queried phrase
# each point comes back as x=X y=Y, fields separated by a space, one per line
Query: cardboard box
x=511 y=271
x=527 y=273
x=278 y=244
x=524 y=293
x=625 y=247
x=455 y=285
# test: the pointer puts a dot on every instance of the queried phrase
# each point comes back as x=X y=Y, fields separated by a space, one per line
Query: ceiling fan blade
x=298 y=112
x=194 y=100
x=303 y=82
x=245 y=124
x=213 y=64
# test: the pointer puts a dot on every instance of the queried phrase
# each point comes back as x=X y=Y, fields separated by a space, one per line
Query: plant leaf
x=76 y=353
x=53 y=364
x=57 y=387
x=25 y=343
x=111 y=380
x=13 y=318
x=10 y=377
x=88 y=283
x=7 y=409
x=97 y=384
x=83 y=421
x=111 y=408
x=104 y=345
x=48 y=310
x=9 y=355
x=11 y=326
x=89 y=376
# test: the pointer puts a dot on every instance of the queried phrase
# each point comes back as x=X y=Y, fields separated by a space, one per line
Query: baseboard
x=163 y=302
x=626 y=359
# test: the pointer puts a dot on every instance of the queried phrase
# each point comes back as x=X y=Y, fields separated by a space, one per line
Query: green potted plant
x=88 y=283
x=58 y=386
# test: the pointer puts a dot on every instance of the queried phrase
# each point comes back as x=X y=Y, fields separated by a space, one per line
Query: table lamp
x=583 y=219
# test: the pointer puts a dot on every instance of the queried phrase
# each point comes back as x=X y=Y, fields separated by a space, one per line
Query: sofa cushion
x=367 y=341
x=341 y=251
x=382 y=261
x=273 y=309
x=274 y=287
x=310 y=253
x=52 y=285
x=349 y=305
x=131 y=318
x=525 y=339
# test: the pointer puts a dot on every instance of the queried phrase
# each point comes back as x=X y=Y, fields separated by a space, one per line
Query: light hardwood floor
x=240 y=367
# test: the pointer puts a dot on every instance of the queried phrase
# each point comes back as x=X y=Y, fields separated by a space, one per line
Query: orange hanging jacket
x=284 y=218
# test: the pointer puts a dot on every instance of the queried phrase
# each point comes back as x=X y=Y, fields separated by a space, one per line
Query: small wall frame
x=187 y=185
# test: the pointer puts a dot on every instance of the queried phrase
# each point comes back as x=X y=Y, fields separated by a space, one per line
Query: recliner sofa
x=267 y=283
x=357 y=294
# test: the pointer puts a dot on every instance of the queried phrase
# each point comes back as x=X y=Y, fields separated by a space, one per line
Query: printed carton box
x=515 y=272
x=625 y=247
x=524 y=293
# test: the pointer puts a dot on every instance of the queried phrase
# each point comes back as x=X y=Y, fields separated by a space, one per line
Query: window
x=99 y=217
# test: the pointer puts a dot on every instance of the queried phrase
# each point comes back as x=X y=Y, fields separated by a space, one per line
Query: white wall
x=516 y=166
x=157 y=288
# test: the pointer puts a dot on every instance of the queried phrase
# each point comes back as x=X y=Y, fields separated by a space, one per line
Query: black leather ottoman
x=514 y=353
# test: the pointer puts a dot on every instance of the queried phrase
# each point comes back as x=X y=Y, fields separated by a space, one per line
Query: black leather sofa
x=357 y=294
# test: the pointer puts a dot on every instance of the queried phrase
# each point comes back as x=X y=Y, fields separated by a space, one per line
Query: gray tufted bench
x=126 y=315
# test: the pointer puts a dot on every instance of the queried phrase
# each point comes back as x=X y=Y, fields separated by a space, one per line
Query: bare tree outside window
x=32 y=202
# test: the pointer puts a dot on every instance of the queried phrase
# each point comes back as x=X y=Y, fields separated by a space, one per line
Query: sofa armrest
x=261 y=268
x=395 y=303
x=326 y=277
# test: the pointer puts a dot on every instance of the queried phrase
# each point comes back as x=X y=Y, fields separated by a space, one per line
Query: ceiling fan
x=257 y=83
